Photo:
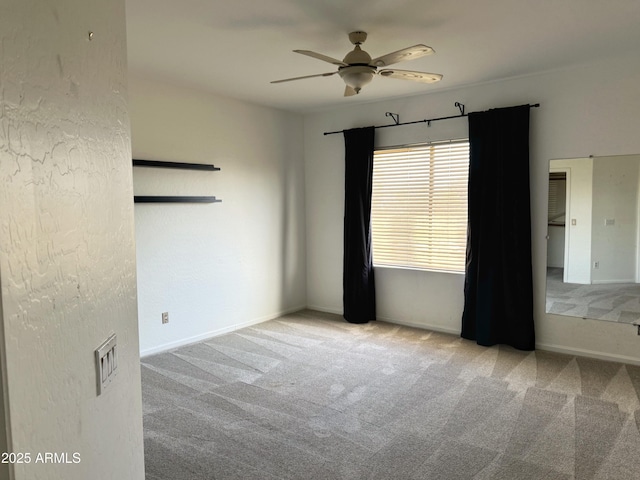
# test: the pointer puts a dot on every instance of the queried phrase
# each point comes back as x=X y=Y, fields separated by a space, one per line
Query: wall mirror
x=593 y=258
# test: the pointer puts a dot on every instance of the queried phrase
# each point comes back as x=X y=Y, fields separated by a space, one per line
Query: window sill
x=415 y=269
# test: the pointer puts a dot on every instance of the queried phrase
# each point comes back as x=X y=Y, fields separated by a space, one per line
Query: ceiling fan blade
x=409 y=75
x=324 y=58
x=409 y=53
x=349 y=91
x=328 y=74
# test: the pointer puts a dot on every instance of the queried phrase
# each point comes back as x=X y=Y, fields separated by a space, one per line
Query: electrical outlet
x=165 y=317
x=106 y=363
x=596 y=265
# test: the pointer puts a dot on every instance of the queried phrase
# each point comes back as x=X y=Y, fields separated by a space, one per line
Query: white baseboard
x=422 y=326
x=613 y=281
x=588 y=353
x=215 y=333
x=540 y=346
x=318 y=308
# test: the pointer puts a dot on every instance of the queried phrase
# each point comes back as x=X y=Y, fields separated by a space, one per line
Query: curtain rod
x=427 y=120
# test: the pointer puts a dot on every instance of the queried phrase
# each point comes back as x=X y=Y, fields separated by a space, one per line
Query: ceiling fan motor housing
x=357 y=56
x=359 y=72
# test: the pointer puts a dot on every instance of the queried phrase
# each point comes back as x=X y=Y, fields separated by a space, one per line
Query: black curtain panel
x=498 y=291
x=359 y=297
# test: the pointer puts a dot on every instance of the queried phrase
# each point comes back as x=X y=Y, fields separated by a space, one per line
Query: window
x=419 y=206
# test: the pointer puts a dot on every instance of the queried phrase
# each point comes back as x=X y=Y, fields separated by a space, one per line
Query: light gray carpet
x=309 y=396
x=614 y=302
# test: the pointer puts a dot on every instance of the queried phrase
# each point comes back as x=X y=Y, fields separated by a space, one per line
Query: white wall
x=581 y=114
x=215 y=267
x=615 y=198
x=67 y=254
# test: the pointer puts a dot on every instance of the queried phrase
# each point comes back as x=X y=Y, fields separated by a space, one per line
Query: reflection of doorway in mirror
x=578 y=183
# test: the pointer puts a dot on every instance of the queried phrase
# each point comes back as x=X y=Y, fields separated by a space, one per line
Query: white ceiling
x=236 y=47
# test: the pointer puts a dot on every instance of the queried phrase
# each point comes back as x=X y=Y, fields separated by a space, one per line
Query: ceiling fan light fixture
x=357 y=76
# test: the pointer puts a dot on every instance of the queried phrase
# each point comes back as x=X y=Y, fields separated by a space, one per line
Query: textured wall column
x=67 y=254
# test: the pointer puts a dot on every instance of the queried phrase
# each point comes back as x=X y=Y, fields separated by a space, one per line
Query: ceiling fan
x=358 y=68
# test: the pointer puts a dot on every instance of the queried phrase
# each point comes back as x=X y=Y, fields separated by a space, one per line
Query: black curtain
x=498 y=289
x=359 y=297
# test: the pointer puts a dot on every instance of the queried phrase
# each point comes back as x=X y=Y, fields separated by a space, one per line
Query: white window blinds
x=419 y=206
x=557 y=198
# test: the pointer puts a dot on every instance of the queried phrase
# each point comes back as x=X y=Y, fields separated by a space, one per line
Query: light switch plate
x=106 y=363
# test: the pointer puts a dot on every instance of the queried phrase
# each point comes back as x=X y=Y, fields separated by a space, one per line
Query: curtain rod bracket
x=395 y=116
x=460 y=107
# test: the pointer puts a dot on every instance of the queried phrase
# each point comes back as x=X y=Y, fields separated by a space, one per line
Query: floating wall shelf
x=174 y=199
x=180 y=165
x=165 y=199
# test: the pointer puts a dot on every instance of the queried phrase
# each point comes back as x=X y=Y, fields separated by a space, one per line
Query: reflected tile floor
x=616 y=302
